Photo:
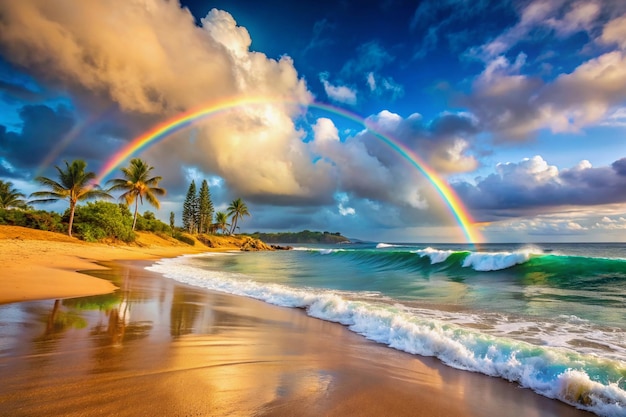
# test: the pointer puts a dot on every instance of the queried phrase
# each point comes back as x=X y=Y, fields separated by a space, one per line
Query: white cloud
x=173 y=65
x=580 y=17
x=442 y=142
x=533 y=170
x=371 y=81
x=223 y=28
x=614 y=32
x=617 y=118
x=380 y=86
x=563 y=17
x=338 y=93
x=369 y=64
x=343 y=200
x=537 y=12
x=324 y=130
x=513 y=106
x=532 y=186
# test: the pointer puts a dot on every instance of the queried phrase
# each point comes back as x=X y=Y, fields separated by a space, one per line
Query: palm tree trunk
x=135 y=216
x=234 y=225
x=72 y=210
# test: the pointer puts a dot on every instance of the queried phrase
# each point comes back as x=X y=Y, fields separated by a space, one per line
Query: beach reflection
x=157 y=347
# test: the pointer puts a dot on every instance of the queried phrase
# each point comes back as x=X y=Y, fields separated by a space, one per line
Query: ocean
x=549 y=317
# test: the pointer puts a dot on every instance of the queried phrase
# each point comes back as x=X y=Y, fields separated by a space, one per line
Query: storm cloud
x=519 y=189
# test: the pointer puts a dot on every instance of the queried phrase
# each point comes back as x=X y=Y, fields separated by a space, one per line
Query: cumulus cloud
x=608 y=223
x=540 y=227
x=147 y=61
x=614 y=32
x=598 y=224
x=518 y=189
x=124 y=79
x=378 y=179
x=442 y=142
x=338 y=93
x=515 y=105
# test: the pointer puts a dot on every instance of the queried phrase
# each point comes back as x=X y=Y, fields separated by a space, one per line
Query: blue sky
x=519 y=105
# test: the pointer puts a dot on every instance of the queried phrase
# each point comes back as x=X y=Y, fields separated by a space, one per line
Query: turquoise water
x=549 y=317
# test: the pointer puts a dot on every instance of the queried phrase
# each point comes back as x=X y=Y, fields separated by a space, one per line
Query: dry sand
x=40 y=265
x=159 y=348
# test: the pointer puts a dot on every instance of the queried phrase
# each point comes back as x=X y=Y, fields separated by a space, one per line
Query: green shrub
x=149 y=223
x=100 y=220
x=184 y=238
x=89 y=232
x=34 y=219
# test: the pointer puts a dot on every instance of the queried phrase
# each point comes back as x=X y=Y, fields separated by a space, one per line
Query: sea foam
x=436 y=255
x=479 y=261
x=495 y=261
x=387 y=245
x=553 y=372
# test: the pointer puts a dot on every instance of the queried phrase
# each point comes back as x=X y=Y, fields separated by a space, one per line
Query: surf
x=585 y=381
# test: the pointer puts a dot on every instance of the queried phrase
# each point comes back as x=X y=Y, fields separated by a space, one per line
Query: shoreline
x=39 y=265
x=159 y=347
x=141 y=336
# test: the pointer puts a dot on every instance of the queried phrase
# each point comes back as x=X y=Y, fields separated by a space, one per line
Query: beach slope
x=39 y=265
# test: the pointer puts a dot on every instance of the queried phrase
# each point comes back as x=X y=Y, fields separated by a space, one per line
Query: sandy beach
x=151 y=346
x=42 y=265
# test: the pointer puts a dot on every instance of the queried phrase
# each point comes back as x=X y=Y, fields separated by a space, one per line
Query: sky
x=517 y=107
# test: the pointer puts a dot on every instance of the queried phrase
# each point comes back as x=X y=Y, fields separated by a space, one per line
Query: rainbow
x=176 y=123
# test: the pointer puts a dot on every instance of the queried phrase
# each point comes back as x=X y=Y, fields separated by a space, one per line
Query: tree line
x=75 y=184
x=199 y=216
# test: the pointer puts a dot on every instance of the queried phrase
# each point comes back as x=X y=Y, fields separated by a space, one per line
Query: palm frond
x=47 y=182
x=93 y=193
x=152 y=200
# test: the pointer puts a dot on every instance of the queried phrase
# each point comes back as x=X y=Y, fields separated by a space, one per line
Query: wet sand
x=159 y=348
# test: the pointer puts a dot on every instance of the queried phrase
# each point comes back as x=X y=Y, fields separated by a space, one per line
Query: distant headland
x=305 y=236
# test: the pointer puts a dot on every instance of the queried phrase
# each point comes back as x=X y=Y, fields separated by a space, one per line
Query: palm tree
x=221 y=221
x=137 y=185
x=74 y=184
x=237 y=209
x=10 y=197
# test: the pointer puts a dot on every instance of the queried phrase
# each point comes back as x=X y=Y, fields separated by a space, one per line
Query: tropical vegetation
x=205 y=209
x=33 y=219
x=190 y=209
x=75 y=184
x=102 y=220
x=137 y=184
x=305 y=236
x=221 y=221
x=10 y=197
x=237 y=210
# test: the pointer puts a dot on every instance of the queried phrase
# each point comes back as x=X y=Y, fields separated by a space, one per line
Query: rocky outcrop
x=251 y=244
x=278 y=247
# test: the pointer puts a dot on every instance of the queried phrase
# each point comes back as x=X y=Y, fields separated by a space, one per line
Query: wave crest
x=496 y=261
x=552 y=372
x=436 y=256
